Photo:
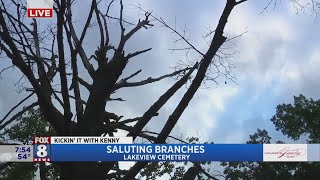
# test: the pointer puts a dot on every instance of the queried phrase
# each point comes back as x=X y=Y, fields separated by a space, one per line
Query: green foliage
x=175 y=170
x=294 y=120
x=178 y=173
x=21 y=171
x=28 y=125
x=264 y=170
x=260 y=137
x=250 y=170
x=157 y=169
x=298 y=119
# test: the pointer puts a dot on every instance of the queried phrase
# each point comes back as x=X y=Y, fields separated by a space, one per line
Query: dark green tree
x=296 y=120
x=30 y=124
x=299 y=119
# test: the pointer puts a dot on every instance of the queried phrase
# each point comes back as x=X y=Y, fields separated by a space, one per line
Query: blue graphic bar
x=155 y=152
x=314 y=152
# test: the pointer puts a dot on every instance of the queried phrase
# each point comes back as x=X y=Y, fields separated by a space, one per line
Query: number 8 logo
x=42 y=151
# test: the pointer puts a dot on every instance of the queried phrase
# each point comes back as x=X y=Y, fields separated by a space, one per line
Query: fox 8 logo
x=42 y=153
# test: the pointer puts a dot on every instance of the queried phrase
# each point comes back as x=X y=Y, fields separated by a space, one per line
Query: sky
x=276 y=59
x=271 y=67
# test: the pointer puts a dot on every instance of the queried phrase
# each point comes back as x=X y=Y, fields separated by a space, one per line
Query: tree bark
x=43 y=171
x=80 y=170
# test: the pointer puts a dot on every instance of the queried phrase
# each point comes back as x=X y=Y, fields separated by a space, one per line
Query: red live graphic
x=40 y=12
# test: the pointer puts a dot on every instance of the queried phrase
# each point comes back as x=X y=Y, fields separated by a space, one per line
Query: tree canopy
x=30 y=124
x=296 y=120
x=301 y=118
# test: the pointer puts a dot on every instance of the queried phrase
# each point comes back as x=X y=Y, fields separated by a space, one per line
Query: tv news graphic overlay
x=71 y=144
x=40 y=8
x=313 y=152
x=41 y=146
x=155 y=152
x=16 y=153
x=285 y=152
x=90 y=140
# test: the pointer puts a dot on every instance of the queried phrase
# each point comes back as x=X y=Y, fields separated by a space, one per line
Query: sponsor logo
x=285 y=152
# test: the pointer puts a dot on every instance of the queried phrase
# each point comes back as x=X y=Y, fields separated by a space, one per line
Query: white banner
x=285 y=152
x=91 y=140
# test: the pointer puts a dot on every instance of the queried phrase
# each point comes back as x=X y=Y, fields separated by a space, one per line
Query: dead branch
x=116 y=99
x=159 y=103
x=125 y=83
x=18 y=114
x=9 y=47
x=78 y=42
x=102 y=42
x=124 y=38
x=62 y=68
x=130 y=120
x=131 y=76
x=84 y=83
x=106 y=77
x=217 y=42
x=141 y=134
x=4 y=69
x=14 y=107
x=177 y=139
x=163 y=22
x=137 y=53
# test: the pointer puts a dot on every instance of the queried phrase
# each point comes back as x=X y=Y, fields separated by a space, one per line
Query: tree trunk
x=81 y=170
x=43 y=171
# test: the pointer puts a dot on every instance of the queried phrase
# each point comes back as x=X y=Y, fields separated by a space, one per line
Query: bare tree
x=42 y=63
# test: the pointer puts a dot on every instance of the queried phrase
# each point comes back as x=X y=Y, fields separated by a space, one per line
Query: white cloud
x=290 y=73
x=220 y=95
x=200 y=117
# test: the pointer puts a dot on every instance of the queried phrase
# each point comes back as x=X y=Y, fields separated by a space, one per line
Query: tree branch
x=84 y=83
x=124 y=82
x=102 y=43
x=173 y=30
x=51 y=114
x=62 y=68
x=14 y=107
x=131 y=76
x=239 y=2
x=75 y=82
x=159 y=103
x=105 y=78
x=217 y=41
x=137 y=53
x=78 y=42
x=18 y=114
